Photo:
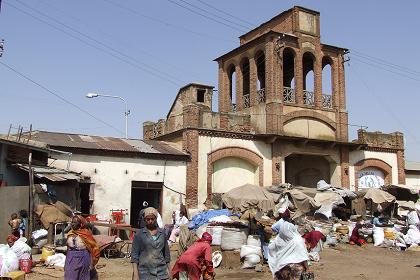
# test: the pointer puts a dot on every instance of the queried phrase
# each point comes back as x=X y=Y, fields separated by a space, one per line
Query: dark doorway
x=144 y=191
x=85 y=202
x=306 y=170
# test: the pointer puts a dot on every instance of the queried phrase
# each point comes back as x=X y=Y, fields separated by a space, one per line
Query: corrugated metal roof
x=56 y=139
x=412 y=165
x=23 y=142
x=50 y=173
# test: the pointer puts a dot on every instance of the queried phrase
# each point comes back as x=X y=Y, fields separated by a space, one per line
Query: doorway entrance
x=141 y=191
x=86 y=197
x=306 y=170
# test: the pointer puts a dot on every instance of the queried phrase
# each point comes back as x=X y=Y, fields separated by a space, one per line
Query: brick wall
x=190 y=145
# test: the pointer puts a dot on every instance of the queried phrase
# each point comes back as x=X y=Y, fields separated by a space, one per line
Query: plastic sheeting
x=204 y=217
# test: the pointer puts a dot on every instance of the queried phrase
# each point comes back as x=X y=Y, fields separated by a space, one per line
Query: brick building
x=276 y=121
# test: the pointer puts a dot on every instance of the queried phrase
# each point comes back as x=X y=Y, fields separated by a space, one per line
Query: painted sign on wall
x=370 y=178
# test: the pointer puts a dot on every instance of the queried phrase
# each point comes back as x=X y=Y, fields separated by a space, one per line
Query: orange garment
x=88 y=239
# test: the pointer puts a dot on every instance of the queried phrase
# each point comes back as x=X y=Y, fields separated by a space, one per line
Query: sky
x=55 y=52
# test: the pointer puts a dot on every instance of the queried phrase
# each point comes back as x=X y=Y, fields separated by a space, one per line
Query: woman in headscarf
x=179 y=218
x=355 y=237
x=82 y=252
x=196 y=260
x=150 y=253
x=287 y=255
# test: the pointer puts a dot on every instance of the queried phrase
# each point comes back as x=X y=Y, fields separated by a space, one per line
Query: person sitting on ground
x=196 y=260
x=11 y=239
x=375 y=220
x=179 y=218
x=287 y=253
x=150 y=254
x=14 y=223
x=82 y=252
x=355 y=237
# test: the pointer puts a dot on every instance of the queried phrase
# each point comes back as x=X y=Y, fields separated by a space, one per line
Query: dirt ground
x=344 y=262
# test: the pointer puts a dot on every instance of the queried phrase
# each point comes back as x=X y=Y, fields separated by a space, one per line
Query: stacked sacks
x=233 y=238
x=251 y=252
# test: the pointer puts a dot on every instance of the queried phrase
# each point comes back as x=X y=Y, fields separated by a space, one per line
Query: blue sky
x=145 y=51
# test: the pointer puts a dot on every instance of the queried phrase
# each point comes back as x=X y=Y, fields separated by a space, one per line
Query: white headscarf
x=288 y=247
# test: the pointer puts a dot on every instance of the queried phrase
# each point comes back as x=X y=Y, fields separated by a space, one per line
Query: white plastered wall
x=356 y=156
x=208 y=144
x=412 y=179
x=114 y=175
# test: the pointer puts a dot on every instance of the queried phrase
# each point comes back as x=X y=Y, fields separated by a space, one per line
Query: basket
x=343 y=229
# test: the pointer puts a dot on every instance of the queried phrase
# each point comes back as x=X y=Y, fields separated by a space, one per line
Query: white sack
x=56 y=260
x=378 y=236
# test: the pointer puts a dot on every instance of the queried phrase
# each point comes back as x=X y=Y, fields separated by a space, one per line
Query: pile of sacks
x=251 y=252
x=10 y=256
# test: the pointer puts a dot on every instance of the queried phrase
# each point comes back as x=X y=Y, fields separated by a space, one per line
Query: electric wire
x=217 y=16
x=167 y=24
x=385 y=69
x=226 y=13
x=353 y=51
x=385 y=105
x=112 y=53
x=122 y=41
x=59 y=96
x=207 y=17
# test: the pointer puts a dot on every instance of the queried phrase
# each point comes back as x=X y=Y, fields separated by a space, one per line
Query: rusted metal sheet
x=50 y=173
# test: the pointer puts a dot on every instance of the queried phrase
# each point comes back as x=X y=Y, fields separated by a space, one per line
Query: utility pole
x=31 y=220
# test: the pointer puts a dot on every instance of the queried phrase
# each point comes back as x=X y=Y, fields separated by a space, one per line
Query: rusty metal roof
x=88 y=142
x=51 y=173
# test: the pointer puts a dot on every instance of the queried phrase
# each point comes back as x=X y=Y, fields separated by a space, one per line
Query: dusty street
x=344 y=262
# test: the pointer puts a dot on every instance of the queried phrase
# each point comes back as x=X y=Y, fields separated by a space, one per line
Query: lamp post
x=126 y=113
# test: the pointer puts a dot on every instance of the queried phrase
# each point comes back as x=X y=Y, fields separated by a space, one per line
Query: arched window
x=327 y=82
x=308 y=79
x=260 y=60
x=232 y=86
x=289 y=76
x=245 y=82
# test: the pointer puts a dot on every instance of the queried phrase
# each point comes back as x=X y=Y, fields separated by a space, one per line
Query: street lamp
x=126 y=113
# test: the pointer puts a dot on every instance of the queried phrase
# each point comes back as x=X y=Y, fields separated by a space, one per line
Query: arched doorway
x=306 y=170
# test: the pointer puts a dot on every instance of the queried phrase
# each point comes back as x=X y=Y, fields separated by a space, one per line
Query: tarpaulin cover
x=303 y=202
x=249 y=196
x=50 y=214
x=379 y=196
x=328 y=200
x=204 y=217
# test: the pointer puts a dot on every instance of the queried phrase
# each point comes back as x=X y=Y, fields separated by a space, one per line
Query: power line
x=385 y=69
x=167 y=24
x=207 y=17
x=59 y=96
x=142 y=66
x=226 y=13
x=381 y=100
x=396 y=66
x=217 y=16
